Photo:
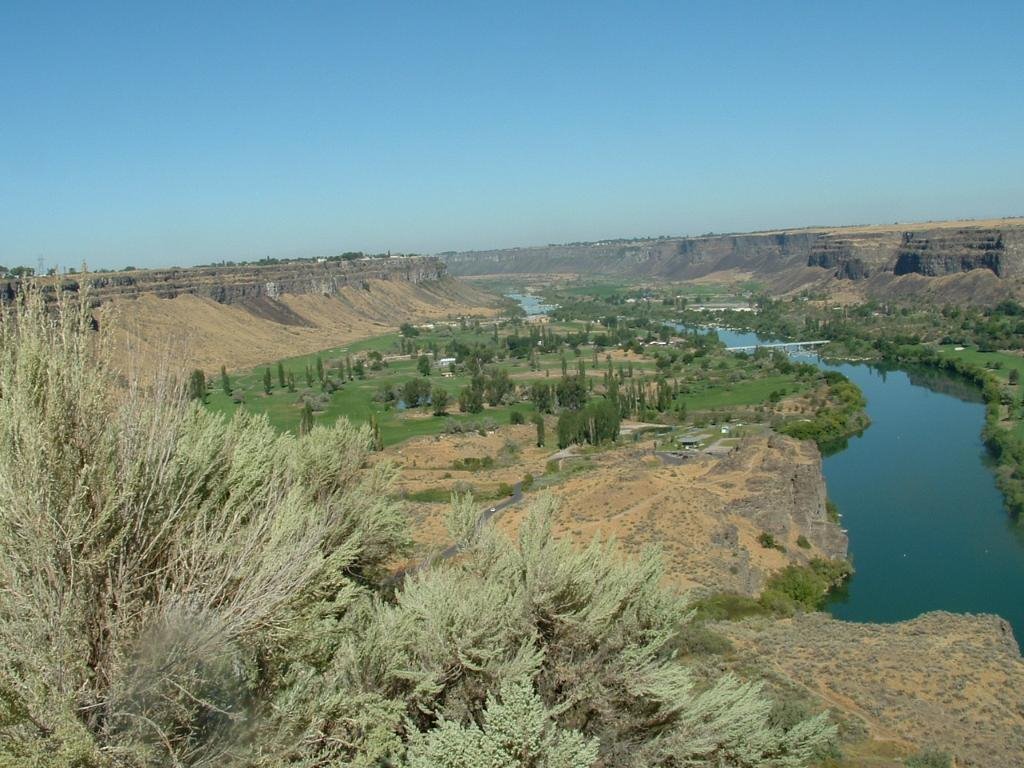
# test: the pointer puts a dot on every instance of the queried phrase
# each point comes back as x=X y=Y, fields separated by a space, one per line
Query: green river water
x=927 y=525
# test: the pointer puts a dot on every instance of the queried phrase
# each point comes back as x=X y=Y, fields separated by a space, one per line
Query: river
x=532 y=304
x=927 y=525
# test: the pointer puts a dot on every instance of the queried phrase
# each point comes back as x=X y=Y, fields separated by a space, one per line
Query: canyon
x=958 y=261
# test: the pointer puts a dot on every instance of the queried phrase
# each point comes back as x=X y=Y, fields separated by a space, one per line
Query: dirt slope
x=193 y=331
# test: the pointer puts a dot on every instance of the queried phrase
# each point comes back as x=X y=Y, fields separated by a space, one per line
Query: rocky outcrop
x=838 y=255
x=254 y=282
x=786 y=494
x=944 y=254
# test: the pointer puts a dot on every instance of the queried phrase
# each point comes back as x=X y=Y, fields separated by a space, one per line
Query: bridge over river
x=788 y=346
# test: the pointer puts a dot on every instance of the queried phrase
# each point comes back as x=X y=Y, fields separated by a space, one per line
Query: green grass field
x=355 y=400
x=742 y=393
x=358 y=399
x=1005 y=361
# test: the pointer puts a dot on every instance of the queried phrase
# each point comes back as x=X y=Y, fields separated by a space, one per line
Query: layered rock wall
x=230 y=285
x=785 y=260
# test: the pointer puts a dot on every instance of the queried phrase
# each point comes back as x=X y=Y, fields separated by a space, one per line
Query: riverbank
x=1002 y=430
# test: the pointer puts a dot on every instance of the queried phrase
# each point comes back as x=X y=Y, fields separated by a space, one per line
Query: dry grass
x=942 y=680
x=706 y=515
x=202 y=333
x=698 y=513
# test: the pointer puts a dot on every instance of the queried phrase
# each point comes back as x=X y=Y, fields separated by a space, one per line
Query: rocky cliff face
x=872 y=256
x=840 y=256
x=787 y=494
x=944 y=254
x=230 y=285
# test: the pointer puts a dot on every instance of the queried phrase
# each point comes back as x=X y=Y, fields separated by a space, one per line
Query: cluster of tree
x=17 y=272
x=834 y=422
x=597 y=422
x=492 y=385
x=415 y=392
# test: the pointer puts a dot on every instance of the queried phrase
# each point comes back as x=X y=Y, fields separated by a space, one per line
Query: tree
x=319 y=369
x=571 y=392
x=359 y=368
x=291 y=381
x=282 y=381
x=376 y=442
x=415 y=392
x=309 y=376
x=306 y=419
x=471 y=400
x=598 y=422
x=197 y=386
x=496 y=385
x=1014 y=376
x=225 y=382
x=423 y=365
x=439 y=398
x=268 y=382
x=538 y=421
x=408 y=330
x=542 y=396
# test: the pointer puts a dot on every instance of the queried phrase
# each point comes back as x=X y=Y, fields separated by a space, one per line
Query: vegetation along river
x=927 y=525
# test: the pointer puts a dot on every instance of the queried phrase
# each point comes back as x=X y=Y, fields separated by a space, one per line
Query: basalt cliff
x=960 y=261
x=235 y=284
x=242 y=316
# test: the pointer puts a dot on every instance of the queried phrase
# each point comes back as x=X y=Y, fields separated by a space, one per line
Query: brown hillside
x=198 y=332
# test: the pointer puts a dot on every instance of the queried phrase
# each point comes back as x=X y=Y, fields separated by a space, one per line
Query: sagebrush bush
x=160 y=565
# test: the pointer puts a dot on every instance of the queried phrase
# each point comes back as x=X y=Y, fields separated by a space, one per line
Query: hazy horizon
x=173 y=136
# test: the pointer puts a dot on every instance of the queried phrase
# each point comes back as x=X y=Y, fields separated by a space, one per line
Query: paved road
x=489 y=514
x=486 y=516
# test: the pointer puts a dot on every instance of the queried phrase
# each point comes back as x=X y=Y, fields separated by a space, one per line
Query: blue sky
x=194 y=132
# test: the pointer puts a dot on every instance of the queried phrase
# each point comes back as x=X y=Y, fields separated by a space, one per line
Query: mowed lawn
x=750 y=392
x=1005 y=360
